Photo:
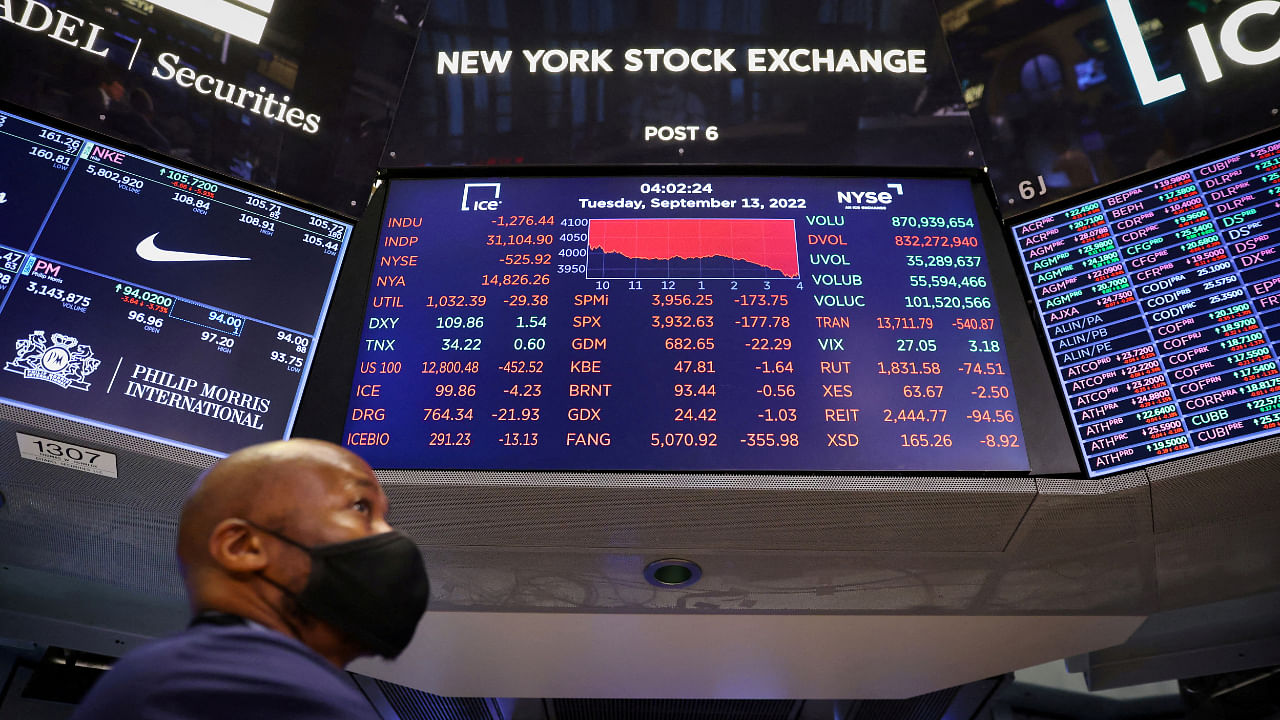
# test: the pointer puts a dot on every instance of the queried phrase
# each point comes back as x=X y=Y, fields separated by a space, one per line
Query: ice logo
x=1152 y=87
x=469 y=201
x=65 y=363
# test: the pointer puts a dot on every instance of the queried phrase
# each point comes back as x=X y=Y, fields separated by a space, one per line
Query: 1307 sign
x=66 y=455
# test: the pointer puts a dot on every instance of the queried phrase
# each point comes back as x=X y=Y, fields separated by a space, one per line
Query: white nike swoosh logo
x=147 y=250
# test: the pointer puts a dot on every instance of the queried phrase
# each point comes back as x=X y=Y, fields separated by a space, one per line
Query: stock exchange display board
x=1161 y=304
x=139 y=296
x=683 y=323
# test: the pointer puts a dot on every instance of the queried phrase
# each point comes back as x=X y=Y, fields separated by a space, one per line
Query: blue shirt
x=225 y=671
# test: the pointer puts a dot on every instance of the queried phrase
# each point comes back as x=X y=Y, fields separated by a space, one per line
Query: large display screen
x=1161 y=305
x=140 y=296
x=683 y=323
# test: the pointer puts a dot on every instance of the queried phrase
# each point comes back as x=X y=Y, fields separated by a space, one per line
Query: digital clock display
x=726 y=323
x=676 y=188
x=139 y=296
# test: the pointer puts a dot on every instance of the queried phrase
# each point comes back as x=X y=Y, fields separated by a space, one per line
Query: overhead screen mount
x=1160 y=303
x=143 y=297
x=680 y=322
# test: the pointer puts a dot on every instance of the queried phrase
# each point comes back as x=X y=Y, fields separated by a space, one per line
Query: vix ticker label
x=65 y=361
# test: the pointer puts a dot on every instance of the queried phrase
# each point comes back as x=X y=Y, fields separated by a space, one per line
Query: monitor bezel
x=1181 y=164
x=325 y=403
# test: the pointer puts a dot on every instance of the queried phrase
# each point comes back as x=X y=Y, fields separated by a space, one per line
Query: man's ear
x=237 y=549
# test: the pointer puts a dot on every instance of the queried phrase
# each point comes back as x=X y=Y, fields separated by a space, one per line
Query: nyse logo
x=243 y=18
x=855 y=200
x=1152 y=88
x=481 y=196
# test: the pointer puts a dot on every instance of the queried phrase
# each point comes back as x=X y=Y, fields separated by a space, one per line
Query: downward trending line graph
x=692 y=248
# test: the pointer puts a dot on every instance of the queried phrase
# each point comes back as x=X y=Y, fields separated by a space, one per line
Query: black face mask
x=374 y=589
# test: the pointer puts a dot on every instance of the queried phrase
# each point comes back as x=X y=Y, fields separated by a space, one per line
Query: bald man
x=292 y=572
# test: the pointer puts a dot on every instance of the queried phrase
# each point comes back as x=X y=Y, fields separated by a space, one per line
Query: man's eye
x=363 y=506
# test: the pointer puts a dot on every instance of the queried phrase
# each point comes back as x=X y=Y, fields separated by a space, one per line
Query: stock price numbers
x=148 y=300
x=601 y=328
x=69 y=300
x=69 y=143
x=293 y=362
x=151 y=323
x=223 y=342
x=124 y=181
